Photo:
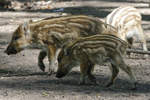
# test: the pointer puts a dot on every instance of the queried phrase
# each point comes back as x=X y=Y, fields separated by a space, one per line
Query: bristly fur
x=96 y=49
x=127 y=20
x=51 y=33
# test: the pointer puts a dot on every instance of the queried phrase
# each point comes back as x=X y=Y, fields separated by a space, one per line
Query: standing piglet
x=51 y=33
x=128 y=22
x=97 y=49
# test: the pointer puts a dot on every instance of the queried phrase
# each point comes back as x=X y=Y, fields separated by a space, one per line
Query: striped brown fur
x=51 y=33
x=96 y=49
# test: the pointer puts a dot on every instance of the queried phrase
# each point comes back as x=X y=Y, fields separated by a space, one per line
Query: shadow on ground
x=41 y=81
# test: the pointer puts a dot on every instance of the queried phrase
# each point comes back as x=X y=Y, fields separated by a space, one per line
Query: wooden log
x=137 y=51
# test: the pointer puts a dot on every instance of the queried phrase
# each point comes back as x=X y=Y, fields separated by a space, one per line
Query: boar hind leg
x=115 y=70
x=117 y=58
x=127 y=69
x=51 y=58
x=41 y=57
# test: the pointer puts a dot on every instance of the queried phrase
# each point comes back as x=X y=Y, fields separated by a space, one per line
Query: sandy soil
x=21 y=79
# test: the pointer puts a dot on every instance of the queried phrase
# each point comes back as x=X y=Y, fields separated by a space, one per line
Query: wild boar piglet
x=128 y=22
x=88 y=51
x=51 y=33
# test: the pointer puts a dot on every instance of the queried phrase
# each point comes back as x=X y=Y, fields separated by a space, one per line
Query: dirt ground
x=21 y=79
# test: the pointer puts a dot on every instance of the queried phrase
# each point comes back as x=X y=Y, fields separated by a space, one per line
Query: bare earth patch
x=21 y=79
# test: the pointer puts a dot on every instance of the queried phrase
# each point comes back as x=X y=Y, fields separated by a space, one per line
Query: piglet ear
x=26 y=28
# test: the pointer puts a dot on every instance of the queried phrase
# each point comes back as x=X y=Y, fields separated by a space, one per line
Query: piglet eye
x=59 y=58
x=16 y=38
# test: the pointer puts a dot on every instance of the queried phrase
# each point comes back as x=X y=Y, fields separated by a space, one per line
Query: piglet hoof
x=134 y=86
x=109 y=84
x=51 y=72
x=41 y=66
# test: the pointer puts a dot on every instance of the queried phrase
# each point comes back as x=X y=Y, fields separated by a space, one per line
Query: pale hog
x=51 y=33
x=128 y=21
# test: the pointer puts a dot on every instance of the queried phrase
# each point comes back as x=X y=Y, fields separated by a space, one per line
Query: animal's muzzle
x=60 y=75
x=10 y=50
